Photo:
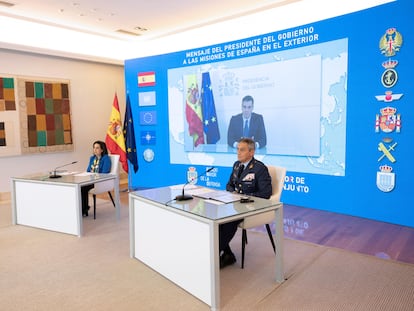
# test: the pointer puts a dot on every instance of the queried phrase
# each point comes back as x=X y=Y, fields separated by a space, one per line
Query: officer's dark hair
x=250 y=143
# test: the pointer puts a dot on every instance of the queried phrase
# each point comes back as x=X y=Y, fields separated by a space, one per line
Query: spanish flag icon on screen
x=146 y=78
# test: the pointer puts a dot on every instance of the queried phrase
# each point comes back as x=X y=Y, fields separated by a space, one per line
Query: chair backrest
x=277 y=173
x=114 y=164
x=108 y=185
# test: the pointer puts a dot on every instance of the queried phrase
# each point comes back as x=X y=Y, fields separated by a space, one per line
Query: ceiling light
x=126 y=32
x=140 y=28
x=7 y=4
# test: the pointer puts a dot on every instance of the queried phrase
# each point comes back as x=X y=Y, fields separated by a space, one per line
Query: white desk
x=180 y=240
x=54 y=204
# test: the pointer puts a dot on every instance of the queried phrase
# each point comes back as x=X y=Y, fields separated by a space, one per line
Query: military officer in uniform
x=249 y=177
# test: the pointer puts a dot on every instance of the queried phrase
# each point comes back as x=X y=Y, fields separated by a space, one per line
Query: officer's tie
x=241 y=168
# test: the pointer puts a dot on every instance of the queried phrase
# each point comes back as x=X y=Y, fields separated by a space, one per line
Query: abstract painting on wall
x=40 y=121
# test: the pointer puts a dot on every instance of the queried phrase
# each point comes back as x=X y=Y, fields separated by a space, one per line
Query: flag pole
x=129 y=182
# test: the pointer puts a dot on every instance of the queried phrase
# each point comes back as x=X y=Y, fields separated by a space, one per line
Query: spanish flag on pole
x=114 y=140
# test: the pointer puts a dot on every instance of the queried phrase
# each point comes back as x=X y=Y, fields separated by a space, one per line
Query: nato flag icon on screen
x=148 y=138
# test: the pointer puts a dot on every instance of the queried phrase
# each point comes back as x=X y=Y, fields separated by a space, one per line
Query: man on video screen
x=247 y=125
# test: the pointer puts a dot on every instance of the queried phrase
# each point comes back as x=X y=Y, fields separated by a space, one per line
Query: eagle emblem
x=390 y=42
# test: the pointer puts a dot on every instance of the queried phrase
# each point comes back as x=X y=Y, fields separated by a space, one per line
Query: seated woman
x=99 y=162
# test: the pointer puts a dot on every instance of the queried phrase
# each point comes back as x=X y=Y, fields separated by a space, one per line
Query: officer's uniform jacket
x=253 y=181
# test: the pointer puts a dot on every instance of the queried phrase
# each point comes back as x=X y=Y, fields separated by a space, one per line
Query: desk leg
x=131 y=227
x=79 y=210
x=279 y=244
x=215 y=269
x=13 y=202
x=117 y=200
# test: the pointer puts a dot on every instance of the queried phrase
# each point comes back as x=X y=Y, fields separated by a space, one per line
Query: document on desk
x=85 y=174
x=67 y=173
x=217 y=195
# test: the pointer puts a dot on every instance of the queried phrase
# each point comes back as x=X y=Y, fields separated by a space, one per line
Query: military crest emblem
x=388 y=97
x=385 y=178
x=148 y=155
x=387 y=150
x=390 y=42
x=388 y=121
x=192 y=175
x=389 y=77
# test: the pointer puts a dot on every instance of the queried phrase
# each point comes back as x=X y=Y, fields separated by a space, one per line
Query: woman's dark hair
x=103 y=146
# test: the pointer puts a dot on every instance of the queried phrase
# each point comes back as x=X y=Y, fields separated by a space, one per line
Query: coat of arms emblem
x=192 y=175
x=388 y=121
x=385 y=179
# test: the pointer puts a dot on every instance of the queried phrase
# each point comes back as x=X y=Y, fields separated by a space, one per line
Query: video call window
x=295 y=92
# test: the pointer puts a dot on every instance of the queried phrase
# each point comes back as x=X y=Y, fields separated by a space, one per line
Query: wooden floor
x=356 y=234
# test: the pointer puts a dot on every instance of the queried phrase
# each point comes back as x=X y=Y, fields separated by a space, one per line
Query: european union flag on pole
x=129 y=135
x=209 y=110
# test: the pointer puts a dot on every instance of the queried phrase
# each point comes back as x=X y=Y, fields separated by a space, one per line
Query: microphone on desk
x=184 y=197
x=54 y=175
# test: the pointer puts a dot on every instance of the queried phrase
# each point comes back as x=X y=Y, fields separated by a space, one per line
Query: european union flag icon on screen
x=148 y=138
x=148 y=117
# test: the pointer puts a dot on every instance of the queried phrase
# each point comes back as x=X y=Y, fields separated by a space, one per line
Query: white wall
x=92 y=89
x=30 y=36
x=287 y=16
